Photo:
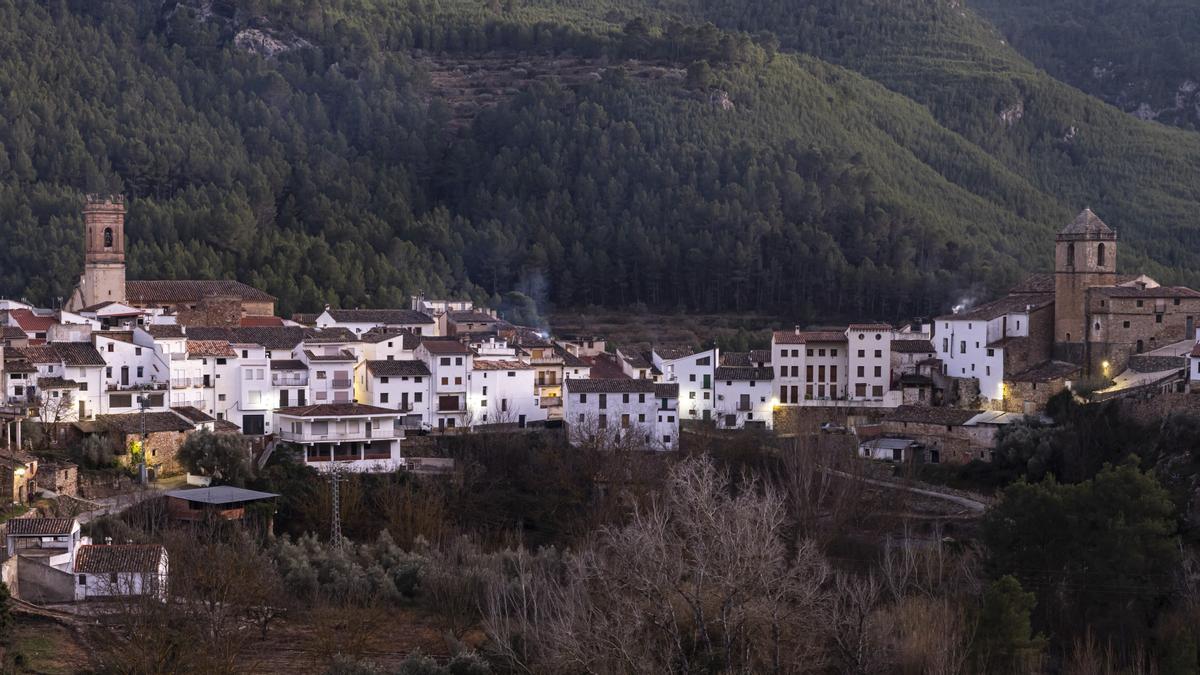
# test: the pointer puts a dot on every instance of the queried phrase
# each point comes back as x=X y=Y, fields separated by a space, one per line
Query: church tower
x=104 y=251
x=1085 y=255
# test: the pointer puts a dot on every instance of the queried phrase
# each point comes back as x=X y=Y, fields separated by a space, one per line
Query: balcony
x=137 y=386
x=551 y=401
x=340 y=383
x=546 y=361
x=460 y=408
x=385 y=433
x=178 y=356
x=181 y=382
x=278 y=380
x=744 y=406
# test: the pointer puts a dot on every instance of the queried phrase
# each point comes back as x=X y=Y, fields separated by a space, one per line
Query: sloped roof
x=288 y=364
x=445 y=347
x=380 y=316
x=500 y=364
x=1014 y=302
x=666 y=390
x=76 y=353
x=674 y=351
x=608 y=386
x=1087 y=225
x=220 y=494
x=342 y=355
x=193 y=414
x=30 y=322
x=259 y=321
x=57 y=383
x=1155 y=292
x=33 y=527
x=743 y=374
x=131 y=423
x=378 y=335
x=165 y=331
x=210 y=348
x=1044 y=372
x=104 y=559
x=172 y=291
x=405 y=368
x=913 y=346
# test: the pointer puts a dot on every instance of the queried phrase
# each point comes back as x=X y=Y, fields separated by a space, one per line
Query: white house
x=613 y=413
x=666 y=396
x=401 y=385
x=330 y=374
x=62 y=363
x=971 y=344
x=869 y=361
x=359 y=321
x=502 y=391
x=120 y=570
x=449 y=363
x=134 y=366
x=1194 y=368
x=693 y=371
x=358 y=437
x=383 y=344
x=53 y=541
x=745 y=397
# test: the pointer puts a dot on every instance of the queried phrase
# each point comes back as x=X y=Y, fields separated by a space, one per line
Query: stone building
x=103 y=279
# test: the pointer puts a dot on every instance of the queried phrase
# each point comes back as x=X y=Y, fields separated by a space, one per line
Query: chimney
x=797 y=329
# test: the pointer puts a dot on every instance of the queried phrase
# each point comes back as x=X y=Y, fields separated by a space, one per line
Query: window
x=1175 y=301
x=1071 y=254
x=945 y=344
x=962 y=347
x=624 y=398
x=583 y=398
x=602 y=421
x=383 y=398
x=383 y=380
x=877 y=391
x=991 y=352
x=878 y=353
x=110 y=346
x=666 y=439
x=108 y=243
x=1140 y=303
x=641 y=398
x=1097 y=326
x=445 y=381
x=862 y=353
x=641 y=417
x=320 y=375
x=603 y=401
x=1100 y=255
x=445 y=361
x=512 y=373
x=833 y=352
x=140 y=371
x=625 y=421
x=245 y=353
x=808 y=352
x=108 y=371
x=795 y=371
x=418 y=397
x=795 y=353
x=878 y=371
x=1124 y=324
x=692 y=377
x=783 y=353
x=692 y=395
x=861 y=371
x=458 y=380
x=458 y=361
x=137 y=351
x=820 y=352
x=220 y=397
x=987 y=370
x=783 y=371
x=1158 y=318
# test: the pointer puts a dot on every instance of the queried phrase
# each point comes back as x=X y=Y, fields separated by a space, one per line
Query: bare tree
x=699 y=580
x=859 y=632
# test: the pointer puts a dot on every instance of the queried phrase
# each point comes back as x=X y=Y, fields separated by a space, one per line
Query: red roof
x=30 y=322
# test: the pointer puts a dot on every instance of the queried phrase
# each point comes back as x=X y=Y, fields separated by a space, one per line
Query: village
x=139 y=366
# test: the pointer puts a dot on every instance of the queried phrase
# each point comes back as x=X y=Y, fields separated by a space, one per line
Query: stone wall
x=162 y=450
x=955 y=444
x=215 y=310
x=1031 y=397
x=1152 y=409
x=800 y=420
x=41 y=584
x=61 y=478
x=1035 y=349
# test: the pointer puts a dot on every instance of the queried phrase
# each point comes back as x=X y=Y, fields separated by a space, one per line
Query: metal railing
x=136 y=386
x=289 y=380
x=384 y=433
x=340 y=383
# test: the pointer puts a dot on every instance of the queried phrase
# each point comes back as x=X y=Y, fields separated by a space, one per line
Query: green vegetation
x=869 y=176
x=1127 y=53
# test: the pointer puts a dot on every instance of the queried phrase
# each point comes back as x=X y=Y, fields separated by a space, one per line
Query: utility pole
x=143 y=403
x=335 y=529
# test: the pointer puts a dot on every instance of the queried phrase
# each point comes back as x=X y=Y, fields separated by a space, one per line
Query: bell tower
x=104 y=250
x=1085 y=256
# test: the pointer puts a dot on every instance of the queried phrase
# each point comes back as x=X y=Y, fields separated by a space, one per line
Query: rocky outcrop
x=257 y=41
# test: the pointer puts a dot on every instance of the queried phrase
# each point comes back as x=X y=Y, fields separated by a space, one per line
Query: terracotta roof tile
x=390 y=317
x=405 y=368
x=218 y=348
x=173 y=291
x=31 y=527
x=334 y=410
x=608 y=386
x=105 y=559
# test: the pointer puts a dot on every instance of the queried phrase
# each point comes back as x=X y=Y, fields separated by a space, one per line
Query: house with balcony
x=289 y=382
x=745 y=397
x=357 y=437
x=547 y=362
x=501 y=392
x=449 y=362
x=330 y=374
x=616 y=413
x=400 y=385
x=210 y=365
x=135 y=367
x=693 y=371
x=63 y=363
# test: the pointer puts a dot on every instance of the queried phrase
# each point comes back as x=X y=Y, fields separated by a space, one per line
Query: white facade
x=100 y=584
x=357 y=437
x=449 y=366
x=966 y=351
x=401 y=385
x=694 y=374
x=869 y=376
x=745 y=397
x=666 y=397
x=330 y=374
x=502 y=392
x=613 y=413
x=361 y=321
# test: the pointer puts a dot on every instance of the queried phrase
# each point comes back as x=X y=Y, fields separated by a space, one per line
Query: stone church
x=200 y=301
x=1102 y=318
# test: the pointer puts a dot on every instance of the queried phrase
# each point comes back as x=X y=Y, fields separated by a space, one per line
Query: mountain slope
x=1139 y=56
x=318 y=151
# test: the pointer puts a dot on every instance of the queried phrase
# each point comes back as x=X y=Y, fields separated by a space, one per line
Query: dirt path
x=972 y=504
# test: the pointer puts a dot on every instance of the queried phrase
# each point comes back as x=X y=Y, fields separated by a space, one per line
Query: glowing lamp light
x=19 y=471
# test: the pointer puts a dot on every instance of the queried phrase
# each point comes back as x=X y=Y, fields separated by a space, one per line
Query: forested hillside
x=1139 y=55
x=850 y=159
